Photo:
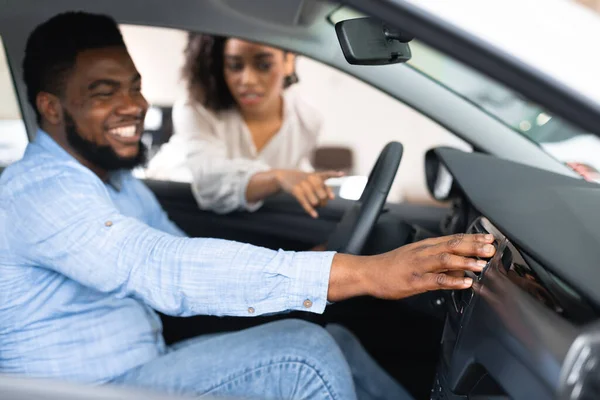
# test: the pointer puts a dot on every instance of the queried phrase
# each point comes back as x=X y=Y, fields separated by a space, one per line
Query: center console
x=508 y=335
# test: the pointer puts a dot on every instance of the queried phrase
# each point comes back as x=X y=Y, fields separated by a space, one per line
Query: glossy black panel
x=580 y=377
x=510 y=331
x=551 y=217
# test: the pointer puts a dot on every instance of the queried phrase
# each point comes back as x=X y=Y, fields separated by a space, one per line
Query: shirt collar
x=45 y=141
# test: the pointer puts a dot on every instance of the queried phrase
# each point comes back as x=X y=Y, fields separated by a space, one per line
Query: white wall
x=158 y=55
x=356 y=115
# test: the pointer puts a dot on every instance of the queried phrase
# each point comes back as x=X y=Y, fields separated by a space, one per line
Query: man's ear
x=50 y=107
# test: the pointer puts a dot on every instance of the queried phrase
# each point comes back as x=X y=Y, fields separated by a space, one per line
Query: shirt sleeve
x=68 y=223
x=218 y=182
x=154 y=215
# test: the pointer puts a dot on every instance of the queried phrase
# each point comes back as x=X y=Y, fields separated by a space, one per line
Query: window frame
x=13 y=96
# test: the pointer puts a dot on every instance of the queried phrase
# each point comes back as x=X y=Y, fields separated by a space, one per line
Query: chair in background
x=336 y=158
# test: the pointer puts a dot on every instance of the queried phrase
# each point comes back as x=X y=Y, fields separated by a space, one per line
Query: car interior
x=526 y=330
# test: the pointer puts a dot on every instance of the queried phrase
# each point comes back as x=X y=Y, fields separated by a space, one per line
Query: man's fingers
x=459 y=273
x=461 y=237
x=471 y=249
x=452 y=262
x=299 y=195
x=465 y=245
x=445 y=281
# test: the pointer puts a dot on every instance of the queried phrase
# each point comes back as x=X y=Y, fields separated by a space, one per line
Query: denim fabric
x=289 y=359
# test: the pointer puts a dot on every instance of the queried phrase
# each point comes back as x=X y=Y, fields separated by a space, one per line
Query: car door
x=279 y=223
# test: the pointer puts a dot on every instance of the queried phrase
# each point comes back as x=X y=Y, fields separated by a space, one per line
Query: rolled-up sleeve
x=219 y=182
x=68 y=223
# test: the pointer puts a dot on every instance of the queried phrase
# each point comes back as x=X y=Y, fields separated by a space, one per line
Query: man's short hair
x=53 y=46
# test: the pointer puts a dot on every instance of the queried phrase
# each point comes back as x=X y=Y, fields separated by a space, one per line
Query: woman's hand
x=308 y=188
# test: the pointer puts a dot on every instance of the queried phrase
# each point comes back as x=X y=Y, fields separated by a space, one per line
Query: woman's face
x=255 y=74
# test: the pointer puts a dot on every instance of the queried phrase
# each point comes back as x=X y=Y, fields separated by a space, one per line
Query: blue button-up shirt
x=84 y=264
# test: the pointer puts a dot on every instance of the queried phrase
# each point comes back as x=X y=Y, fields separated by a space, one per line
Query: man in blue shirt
x=87 y=255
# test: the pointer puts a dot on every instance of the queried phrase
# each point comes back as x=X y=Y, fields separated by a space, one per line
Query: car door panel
x=280 y=222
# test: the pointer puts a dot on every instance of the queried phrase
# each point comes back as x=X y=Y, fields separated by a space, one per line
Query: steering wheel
x=351 y=233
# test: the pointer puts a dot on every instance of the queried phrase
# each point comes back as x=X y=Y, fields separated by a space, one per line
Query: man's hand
x=431 y=264
x=308 y=188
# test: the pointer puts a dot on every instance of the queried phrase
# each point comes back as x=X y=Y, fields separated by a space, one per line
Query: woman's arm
x=218 y=182
x=308 y=188
x=300 y=180
x=223 y=184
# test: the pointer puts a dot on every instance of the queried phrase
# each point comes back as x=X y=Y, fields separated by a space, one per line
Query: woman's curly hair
x=203 y=72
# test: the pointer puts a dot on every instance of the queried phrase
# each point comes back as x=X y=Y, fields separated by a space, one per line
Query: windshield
x=568 y=144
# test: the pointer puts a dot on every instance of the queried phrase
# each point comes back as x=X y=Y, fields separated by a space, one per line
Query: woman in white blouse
x=240 y=131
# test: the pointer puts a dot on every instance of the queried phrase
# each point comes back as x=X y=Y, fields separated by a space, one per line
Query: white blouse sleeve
x=219 y=182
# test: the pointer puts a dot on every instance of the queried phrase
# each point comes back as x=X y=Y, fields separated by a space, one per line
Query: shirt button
x=250 y=310
x=108 y=223
x=307 y=303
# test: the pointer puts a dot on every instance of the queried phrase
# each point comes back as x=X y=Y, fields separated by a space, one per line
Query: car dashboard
x=527 y=328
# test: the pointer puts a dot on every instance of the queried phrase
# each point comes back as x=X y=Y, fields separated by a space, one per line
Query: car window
x=492 y=97
x=568 y=144
x=356 y=116
x=13 y=137
x=556 y=136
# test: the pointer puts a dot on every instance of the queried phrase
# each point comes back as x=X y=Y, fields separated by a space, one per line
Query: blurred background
x=356 y=115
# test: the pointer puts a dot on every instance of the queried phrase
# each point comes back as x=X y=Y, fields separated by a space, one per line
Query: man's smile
x=127 y=134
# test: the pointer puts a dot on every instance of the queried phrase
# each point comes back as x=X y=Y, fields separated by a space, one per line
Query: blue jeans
x=288 y=359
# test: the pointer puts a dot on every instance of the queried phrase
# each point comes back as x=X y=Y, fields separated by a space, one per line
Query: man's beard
x=101 y=156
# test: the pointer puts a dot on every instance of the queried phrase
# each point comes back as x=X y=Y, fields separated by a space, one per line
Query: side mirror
x=368 y=41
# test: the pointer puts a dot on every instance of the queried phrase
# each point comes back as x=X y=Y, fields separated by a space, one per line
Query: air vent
x=483 y=225
x=461 y=299
x=530 y=277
